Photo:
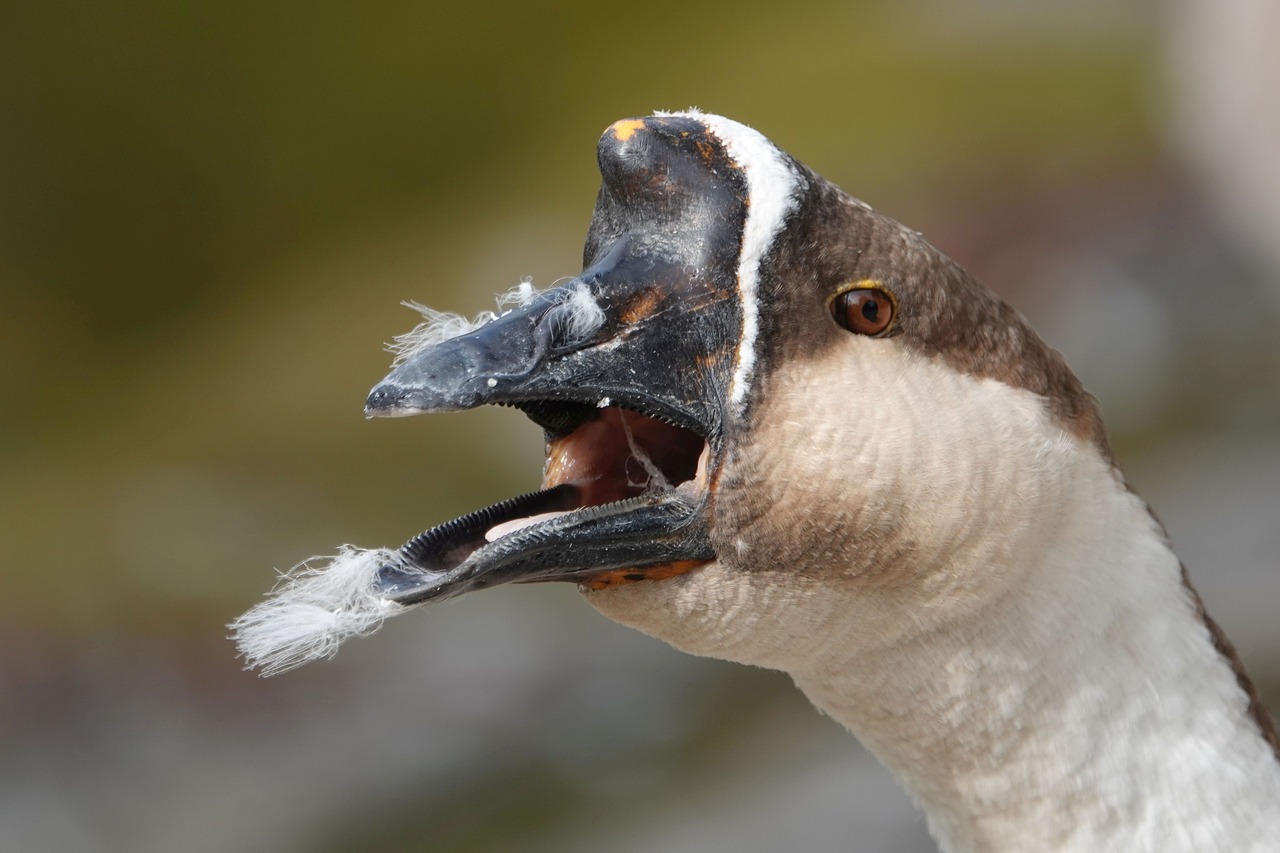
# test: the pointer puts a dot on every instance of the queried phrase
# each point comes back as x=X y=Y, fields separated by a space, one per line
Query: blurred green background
x=208 y=216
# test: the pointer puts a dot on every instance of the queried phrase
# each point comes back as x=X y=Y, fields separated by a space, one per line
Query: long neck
x=1087 y=709
x=973 y=591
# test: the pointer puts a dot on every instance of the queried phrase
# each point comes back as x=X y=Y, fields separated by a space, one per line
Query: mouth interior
x=610 y=457
x=617 y=455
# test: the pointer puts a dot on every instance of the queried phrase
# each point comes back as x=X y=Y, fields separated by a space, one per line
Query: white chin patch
x=317 y=605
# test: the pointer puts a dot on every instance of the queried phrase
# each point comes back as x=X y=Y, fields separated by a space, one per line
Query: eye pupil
x=863 y=311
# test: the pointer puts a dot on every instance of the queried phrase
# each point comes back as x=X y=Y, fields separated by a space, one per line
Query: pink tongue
x=500 y=530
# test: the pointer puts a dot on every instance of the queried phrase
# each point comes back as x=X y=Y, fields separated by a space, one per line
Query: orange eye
x=865 y=311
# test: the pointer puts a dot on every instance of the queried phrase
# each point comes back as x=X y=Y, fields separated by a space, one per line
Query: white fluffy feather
x=316 y=605
x=584 y=316
x=439 y=326
x=436 y=327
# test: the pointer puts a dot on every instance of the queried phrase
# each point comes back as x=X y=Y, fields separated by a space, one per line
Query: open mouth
x=612 y=477
x=620 y=454
x=633 y=368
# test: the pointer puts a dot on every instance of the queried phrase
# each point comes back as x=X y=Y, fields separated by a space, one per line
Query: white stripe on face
x=772 y=185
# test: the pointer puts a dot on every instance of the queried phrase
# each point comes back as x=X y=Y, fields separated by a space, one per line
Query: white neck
x=1085 y=710
x=974 y=593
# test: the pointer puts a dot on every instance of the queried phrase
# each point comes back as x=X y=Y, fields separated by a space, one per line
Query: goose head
x=785 y=430
x=762 y=398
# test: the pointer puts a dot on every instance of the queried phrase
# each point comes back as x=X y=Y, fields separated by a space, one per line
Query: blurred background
x=209 y=213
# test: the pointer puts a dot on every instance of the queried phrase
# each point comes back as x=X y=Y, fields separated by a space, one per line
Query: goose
x=783 y=429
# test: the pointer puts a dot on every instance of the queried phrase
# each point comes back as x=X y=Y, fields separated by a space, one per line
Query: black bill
x=625 y=367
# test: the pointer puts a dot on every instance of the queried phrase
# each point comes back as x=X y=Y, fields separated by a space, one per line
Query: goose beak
x=626 y=368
